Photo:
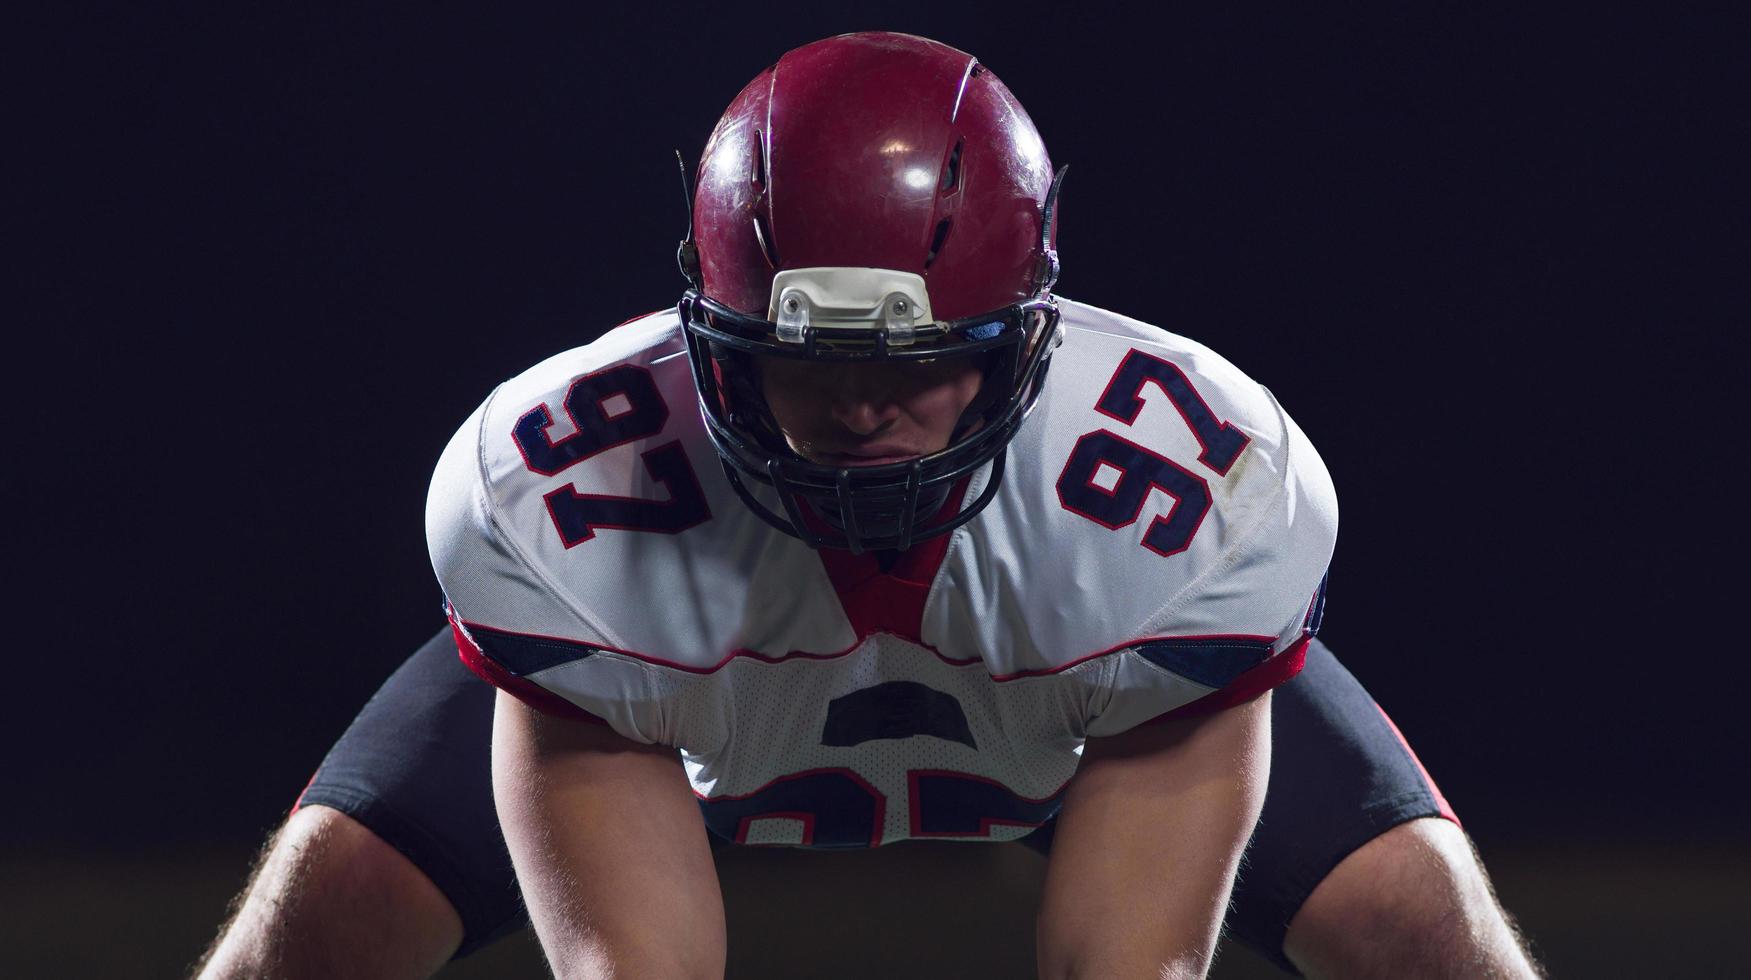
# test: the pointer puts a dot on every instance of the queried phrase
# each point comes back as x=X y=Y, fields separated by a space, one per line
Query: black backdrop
x=270 y=261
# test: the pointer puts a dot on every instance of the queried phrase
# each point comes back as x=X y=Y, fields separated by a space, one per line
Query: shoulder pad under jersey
x=581 y=513
x=1157 y=502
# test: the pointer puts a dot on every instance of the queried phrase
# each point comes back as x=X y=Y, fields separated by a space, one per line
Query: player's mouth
x=876 y=454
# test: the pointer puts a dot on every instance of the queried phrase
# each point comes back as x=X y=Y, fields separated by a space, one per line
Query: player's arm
x=609 y=847
x=1148 y=841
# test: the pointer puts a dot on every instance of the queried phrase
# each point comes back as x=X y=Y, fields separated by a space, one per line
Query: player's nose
x=860 y=406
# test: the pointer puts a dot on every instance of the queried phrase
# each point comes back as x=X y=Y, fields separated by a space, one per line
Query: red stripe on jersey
x=1440 y=800
x=526 y=691
x=300 y=800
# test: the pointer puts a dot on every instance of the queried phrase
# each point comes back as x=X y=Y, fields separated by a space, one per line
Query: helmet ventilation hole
x=758 y=176
x=765 y=239
x=951 y=174
x=936 y=241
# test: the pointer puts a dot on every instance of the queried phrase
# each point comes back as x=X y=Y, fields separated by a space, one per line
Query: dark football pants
x=415 y=766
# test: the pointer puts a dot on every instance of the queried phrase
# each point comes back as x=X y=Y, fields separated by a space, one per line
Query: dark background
x=269 y=261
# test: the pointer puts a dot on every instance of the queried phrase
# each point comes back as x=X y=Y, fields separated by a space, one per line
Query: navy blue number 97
x=608 y=409
x=1107 y=477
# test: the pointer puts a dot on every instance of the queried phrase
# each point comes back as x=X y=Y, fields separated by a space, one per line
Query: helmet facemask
x=877 y=507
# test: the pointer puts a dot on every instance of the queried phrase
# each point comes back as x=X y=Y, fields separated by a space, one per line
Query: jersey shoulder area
x=582 y=511
x=1132 y=374
x=1156 y=495
x=643 y=342
x=546 y=463
x=629 y=387
x=1089 y=329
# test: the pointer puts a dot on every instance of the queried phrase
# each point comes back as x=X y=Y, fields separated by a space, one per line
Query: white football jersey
x=1160 y=538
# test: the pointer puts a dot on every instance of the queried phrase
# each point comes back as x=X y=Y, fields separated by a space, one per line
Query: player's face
x=868 y=414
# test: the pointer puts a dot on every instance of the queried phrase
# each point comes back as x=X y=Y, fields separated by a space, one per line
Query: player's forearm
x=609 y=848
x=1147 y=845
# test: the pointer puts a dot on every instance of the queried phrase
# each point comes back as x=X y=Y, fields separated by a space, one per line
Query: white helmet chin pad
x=844 y=298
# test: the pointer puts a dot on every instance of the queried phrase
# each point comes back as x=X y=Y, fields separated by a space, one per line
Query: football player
x=874 y=538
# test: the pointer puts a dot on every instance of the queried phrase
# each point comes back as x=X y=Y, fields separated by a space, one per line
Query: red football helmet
x=870 y=196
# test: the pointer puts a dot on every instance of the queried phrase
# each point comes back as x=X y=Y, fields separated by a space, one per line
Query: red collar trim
x=893 y=601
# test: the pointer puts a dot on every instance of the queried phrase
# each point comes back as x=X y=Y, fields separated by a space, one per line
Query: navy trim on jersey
x=522 y=654
x=960 y=804
x=1210 y=661
x=1316 y=609
x=838 y=808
